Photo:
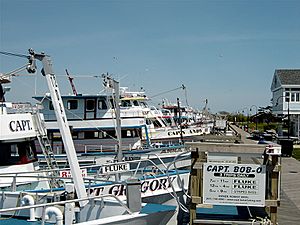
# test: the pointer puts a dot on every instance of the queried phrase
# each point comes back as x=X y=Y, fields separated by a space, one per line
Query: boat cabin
x=92 y=119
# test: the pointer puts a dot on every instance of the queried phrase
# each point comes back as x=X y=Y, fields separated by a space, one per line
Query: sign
x=16 y=126
x=234 y=184
x=115 y=167
x=67 y=173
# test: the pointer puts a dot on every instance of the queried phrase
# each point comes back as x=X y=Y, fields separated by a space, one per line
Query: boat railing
x=68 y=204
x=89 y=148
x=102 y=148
x=21 y=107
x=156 y=169
x=46 y=175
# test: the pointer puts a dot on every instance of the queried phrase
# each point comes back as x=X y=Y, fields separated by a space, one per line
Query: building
x=286 y=98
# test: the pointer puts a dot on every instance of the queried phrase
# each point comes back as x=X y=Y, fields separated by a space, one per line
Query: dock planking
x=289 y=210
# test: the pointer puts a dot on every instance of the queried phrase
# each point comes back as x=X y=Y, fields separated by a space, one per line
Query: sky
x=223 y=51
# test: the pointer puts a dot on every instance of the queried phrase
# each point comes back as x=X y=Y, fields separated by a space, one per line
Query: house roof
x=289 y=76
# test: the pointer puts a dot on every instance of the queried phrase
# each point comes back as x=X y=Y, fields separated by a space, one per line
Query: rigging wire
x=13 y=73
x=165 y=92
x=14 y=54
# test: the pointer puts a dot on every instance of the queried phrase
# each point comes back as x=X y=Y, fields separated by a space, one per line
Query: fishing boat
x=79 y=207
x=93 y=121
x=18 y=155
x=92 y=118
x=90 y=130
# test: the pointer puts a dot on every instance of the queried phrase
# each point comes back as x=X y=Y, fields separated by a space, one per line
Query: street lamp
x=288 y=101
x=247 y=117
x=255 y=115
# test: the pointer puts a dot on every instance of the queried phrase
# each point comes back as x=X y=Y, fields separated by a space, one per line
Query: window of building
x=72 y=104
x=287 y=96
x=292 y=97
x=298 y=97
x=90 y=104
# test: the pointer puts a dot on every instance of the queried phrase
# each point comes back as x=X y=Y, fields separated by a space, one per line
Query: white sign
x=67 y=173
x=15 y=126
x=115 y=167
x=234 y=184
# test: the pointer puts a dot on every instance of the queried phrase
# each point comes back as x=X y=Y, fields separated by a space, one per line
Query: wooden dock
x=289 y=209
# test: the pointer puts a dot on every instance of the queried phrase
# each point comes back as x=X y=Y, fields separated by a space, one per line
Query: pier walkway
x=289 y=210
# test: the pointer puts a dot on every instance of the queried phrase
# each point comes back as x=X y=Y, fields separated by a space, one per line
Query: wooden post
x=274 y=188
x=196 y=182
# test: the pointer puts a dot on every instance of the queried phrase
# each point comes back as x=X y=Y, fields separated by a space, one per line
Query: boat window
x=148 y=122
x=111 y=134
x=51 y=106
x=157 y=123
x=5 y=154
x=144 y=104
x=112 y=103
x=56 y=135
x=135 y=103
x=126 y=103
x=26 y=151
x=74 y=134
x=20 y=153
x=72 y=104
x=80 y=135
x=90 y=104
x=102 y=104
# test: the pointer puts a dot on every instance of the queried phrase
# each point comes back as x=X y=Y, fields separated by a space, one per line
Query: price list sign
x=234 y=184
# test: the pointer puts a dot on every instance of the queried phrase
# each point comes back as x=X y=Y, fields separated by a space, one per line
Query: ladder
x=41 y=131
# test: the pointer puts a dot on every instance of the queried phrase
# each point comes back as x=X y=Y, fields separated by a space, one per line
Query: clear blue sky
x=225 y=51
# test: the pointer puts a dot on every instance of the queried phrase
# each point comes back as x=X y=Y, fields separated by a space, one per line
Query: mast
x=61 y=120
x=179 y=121
x=115 y=86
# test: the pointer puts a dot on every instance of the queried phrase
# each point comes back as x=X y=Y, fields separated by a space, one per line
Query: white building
x=286 y=97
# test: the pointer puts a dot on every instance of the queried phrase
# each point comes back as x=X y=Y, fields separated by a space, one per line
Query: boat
x=18 y=135
x=92 y=118
x=78 y=207
x=91 y=130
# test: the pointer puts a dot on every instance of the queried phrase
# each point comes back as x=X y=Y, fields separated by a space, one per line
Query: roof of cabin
x=289 y=76
x=80 y=96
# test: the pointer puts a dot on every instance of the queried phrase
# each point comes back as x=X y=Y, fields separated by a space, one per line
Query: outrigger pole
x=61 y=119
